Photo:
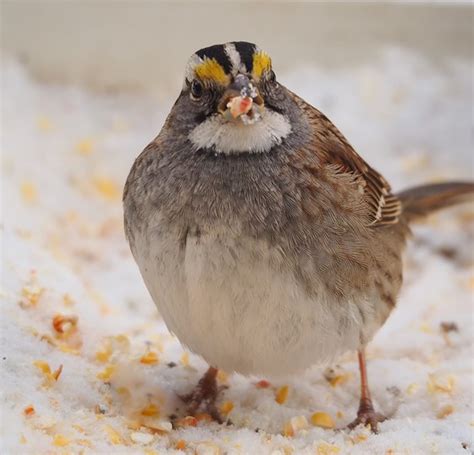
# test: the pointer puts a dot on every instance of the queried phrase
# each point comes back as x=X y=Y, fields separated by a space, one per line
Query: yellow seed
x=440 y=385
x=288 y=430
x=42 y=366
x=30 y=296
x=60 y=441
x=85 y=146
x=29 y=192
x=327 y=449
x=180 y=444
x=67 y=349
x=282 y=394
x=445 y=411
x=107 y=188
x=114 y=436
x=104 y=354
x=107 y=372
x=340 y=379
x=150 y=358
x=361 y=437
x=323 y=420
x=150 y=410
x=227 y=407
x=339 y=414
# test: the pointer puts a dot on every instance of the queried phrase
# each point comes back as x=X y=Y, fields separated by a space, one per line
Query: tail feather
x=421 y=201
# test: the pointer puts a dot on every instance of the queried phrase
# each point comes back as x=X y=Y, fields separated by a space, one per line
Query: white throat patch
x=236 y=137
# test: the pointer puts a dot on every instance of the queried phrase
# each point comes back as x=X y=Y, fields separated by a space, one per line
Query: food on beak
x=239 y=105
x=242 y=101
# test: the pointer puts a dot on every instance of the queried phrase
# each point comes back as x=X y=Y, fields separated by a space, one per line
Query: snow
x=66 y=153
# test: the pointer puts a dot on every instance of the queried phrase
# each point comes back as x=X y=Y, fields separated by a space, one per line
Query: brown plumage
x=267 y=243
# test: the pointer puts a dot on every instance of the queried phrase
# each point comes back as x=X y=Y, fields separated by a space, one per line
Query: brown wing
x=334 y=150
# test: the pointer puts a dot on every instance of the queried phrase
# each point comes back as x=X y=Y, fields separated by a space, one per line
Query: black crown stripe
x=246 y=51
x=217 y=52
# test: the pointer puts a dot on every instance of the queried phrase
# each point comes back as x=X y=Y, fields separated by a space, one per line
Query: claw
x=204 y=396
x=366 y=415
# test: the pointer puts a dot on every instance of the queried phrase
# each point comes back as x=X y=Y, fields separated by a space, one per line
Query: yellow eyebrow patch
x=261 y=62
x=211 y=69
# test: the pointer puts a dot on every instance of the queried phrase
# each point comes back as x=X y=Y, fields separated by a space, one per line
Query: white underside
x=234 y=136
x=237 y=311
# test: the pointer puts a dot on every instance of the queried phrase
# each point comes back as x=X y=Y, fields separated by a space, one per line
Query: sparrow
x=266 y=242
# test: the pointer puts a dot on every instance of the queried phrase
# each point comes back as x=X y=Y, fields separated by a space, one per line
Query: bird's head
x=231 y=101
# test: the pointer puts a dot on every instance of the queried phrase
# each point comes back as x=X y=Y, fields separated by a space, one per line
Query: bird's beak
x=241 y=100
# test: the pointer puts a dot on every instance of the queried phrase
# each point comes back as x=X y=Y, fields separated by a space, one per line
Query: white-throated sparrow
x=267 y=243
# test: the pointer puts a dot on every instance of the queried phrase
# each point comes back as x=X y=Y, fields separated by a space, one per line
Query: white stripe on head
x=234 y=58
x=193 y=61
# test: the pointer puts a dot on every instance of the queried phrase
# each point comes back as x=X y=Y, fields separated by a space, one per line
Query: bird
x=267 y=243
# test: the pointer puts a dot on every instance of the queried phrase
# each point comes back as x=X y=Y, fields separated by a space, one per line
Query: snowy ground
x=66 y=153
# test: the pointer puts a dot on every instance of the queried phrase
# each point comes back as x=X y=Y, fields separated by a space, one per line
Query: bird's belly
x=237 y=303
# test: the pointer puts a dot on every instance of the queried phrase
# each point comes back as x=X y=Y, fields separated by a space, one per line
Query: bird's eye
x=196 y=89
x=271 y=76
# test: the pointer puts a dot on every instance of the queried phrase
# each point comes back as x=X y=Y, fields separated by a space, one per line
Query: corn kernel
x=327 y=449
x=440 y=385
x=180 y=444
x=29 y=410
x=227 y=407
x=150 y=410
x=107 y=188
x=282 y=394
x=64 y=324
x=113 y=435
x=323 y=420
x=288 y=430
x=60 y=441
x=150 y=358
x=107 y=373
x=445 y=411
x=42 y=366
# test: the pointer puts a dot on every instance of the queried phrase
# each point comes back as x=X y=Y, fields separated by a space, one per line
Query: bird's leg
x=366 y=414
x=205 y=393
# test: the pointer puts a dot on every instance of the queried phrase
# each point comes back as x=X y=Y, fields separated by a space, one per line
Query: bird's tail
x=423 y=200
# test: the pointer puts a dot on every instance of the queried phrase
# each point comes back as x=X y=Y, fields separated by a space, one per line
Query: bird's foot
x=204 y=396
x=366 y=415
